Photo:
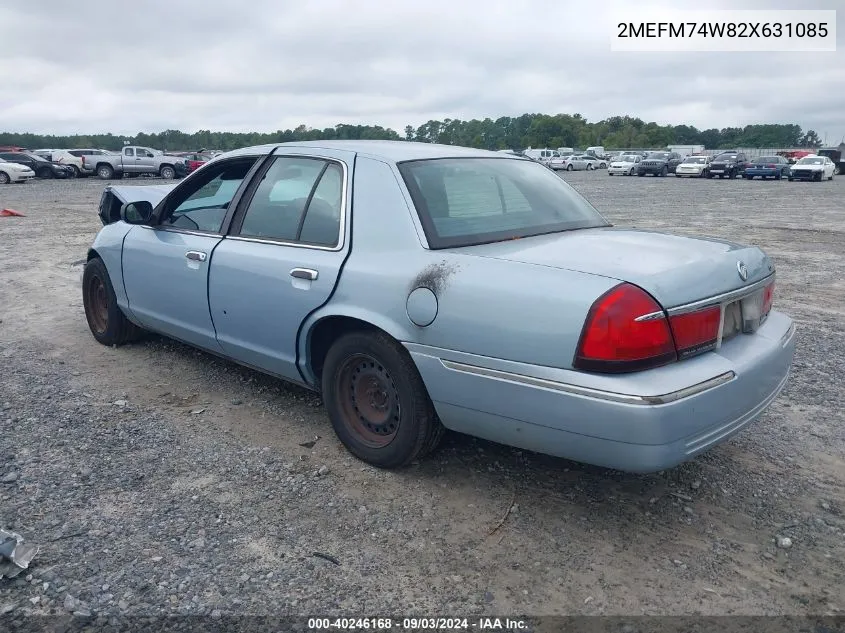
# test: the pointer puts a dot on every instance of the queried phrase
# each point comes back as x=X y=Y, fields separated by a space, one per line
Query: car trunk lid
x=675 y=270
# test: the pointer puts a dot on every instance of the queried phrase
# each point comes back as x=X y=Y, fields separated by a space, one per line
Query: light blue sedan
x=419 y=287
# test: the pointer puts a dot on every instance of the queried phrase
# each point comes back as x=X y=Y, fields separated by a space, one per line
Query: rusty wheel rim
x=369 y=400
x=97 y=306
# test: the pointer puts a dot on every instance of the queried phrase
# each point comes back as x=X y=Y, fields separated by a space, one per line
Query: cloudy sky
x=263 y=65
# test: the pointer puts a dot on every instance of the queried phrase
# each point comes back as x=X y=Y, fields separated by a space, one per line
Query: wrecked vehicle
x=419 y=287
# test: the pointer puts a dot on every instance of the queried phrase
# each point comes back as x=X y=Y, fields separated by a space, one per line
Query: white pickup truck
x=134 y=160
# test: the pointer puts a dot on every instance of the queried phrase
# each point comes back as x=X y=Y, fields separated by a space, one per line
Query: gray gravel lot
x=159 y=479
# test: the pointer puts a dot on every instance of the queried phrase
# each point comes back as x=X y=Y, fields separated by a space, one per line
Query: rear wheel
x=167 y=172
x=74 y=171
x=569 y=167
x=837 y=170
x=46 y=172
x=105 y=172
x=105 y=319
x=5 y=179
x=377 y=402
x=633 y=171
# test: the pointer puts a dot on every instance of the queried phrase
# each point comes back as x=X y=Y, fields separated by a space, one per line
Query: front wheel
x=106 y=321
x=664 y=171
x=837 y=170
x=46 y=173
x=5 y=179
x=377 y=402
x=589 y=167
x=569 y=167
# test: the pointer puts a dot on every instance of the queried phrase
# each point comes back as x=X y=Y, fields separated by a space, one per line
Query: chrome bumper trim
x=589 y=392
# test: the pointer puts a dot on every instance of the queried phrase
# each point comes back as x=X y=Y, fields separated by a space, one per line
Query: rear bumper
x=640 y=422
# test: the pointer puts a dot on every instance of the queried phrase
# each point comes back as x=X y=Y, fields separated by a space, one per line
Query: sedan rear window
x=468 y=201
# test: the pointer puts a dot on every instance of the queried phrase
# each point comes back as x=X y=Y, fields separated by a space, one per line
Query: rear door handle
x=196 y=256
x=304 y=273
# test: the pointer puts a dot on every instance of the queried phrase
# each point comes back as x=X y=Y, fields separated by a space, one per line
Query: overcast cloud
x=263 y=65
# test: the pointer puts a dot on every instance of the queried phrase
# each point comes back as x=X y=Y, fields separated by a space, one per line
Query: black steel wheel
x=105 y=319
x=377 y=402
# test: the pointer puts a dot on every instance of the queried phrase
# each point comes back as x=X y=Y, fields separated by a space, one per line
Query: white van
x=596 y=150
x=541 y=155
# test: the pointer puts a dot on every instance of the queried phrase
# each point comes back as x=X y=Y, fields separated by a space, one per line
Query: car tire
x=837 y=170
x=105 y=319
x=105 y=172
x=664 y=171
x=633 y=171
x=5 y=179
x=398 y=423
x=569 y=167
x=45 y=172
x=641 y=173
x=790 y=178
x=166 y=171
x=589 y=167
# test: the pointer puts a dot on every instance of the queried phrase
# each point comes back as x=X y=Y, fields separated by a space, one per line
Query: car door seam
x=349 y=218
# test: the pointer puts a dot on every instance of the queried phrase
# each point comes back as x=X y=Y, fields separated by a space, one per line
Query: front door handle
x=304 y=273
x=196 y=256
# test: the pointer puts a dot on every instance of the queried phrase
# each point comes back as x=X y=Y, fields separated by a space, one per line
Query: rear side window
x=469 y=201
x=298 y=200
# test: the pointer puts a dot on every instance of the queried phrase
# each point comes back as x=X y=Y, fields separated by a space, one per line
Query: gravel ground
x=161 y=480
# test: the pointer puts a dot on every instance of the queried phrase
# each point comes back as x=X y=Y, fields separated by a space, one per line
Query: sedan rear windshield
x=468 y=201
x=767 y=159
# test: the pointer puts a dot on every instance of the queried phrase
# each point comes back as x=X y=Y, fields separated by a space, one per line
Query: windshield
x=659 y=155
x=695 y=160
x=628 y=158
x=725 y=157
x=467 y=201
x=811 y=160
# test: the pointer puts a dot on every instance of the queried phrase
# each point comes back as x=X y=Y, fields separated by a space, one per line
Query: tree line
x=527 y=130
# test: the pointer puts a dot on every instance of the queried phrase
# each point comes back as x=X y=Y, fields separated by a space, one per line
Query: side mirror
x=138 y=212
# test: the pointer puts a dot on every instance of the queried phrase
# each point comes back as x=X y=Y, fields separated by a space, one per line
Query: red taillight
x=626 y=330
x=771 y=166
x=768 y=298
x=696 y=332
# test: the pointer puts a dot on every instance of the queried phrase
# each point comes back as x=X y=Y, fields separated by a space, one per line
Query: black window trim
x=435 y=242
x=161 y=207
x=249 y=193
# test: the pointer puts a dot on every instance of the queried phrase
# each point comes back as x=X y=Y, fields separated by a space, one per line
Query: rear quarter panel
x=488 y=307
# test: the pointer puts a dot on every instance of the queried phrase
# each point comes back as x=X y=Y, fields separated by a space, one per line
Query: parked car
x=767 y=167
x=195 y=160
x=812 y=168
x=835 y=155
x=625 y=165
x=42 y=167
x=728 y=164
x=594 y=162
x=134 y=160
x=64 y=157
x=14 y=172
x=406 y=310
x=659 y=163
x=577 y=162
x=693 y=167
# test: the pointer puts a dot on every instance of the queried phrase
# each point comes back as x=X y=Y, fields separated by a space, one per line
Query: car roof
x=389 y=151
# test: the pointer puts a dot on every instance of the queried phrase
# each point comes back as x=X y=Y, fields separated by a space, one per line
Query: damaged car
x=420 y=287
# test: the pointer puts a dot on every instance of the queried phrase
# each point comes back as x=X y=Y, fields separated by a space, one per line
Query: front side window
x=298 y=200
x=202 y=203
x=466 y=201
